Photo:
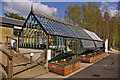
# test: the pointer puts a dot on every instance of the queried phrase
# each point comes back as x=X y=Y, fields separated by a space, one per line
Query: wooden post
x=45 y=55
x=31 y=55
x=6 y=41
x=11 y=67
x=16 y=45
x=31 y=60
x=45 y=52
x=8 y=67
x=11 y=64
x=10 y=44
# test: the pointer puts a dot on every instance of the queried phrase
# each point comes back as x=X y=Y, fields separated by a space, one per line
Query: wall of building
x=29 y=50
x=5 y=31
x=0 y=34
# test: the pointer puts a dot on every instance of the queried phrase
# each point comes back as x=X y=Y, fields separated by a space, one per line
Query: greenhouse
x=43 y=32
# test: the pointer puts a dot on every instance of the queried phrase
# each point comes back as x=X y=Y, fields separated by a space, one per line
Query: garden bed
x=75 y=64
x=64 y=67
x=92 y=57
x=60 y=68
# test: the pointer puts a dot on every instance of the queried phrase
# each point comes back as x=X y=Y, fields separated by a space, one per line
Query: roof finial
x=31 y=7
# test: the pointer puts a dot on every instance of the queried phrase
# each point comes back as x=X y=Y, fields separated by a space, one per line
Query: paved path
x=32 y=72
x=105 y=68
x=54 y=75
x=19 y=63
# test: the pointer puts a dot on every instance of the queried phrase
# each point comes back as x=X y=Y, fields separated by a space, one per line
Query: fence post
x=45 y=55
x=6 y=41
x=45 y=52
x=31 y=55
x=30 y=59
x=17 y=45
x=10 y=66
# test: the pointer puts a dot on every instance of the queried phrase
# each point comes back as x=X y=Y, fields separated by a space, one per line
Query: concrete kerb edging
x=86 y=65
x=77 y=71
x=90 y=64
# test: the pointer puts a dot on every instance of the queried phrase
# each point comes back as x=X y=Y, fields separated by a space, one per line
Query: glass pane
x=99 y=44
x=87 y=43
x=92 y=35
x=61 y=29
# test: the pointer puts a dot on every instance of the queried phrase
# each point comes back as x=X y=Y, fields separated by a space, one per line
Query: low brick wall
x=75 y=64
x=92 y=58
x=71 y=66
x=63 y=70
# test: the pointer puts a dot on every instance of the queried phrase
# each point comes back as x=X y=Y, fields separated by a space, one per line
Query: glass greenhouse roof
x=92 y=35
x=54 y=26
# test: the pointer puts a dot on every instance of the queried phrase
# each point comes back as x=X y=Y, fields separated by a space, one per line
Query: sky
x=52 y=8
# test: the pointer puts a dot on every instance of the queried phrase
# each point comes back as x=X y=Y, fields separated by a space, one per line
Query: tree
x=114 y=38
x=90 y=17
x=72 y=14
x=98 y=21
x=106 y=30
x=14 y=15
x=84 y=15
